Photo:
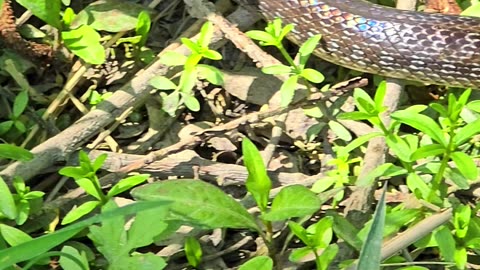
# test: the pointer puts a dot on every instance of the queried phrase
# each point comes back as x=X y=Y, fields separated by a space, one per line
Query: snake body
x=430 y=48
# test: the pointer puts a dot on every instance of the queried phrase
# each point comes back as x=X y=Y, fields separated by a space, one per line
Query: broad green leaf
x=287 y=90
x=80 y=211
x=13 y=236
x=217 y=210
x=153 y=220
x=465 y=165
x=191 y=102
x=162 y=83
x=20 y=103
x=127 y=183
x=293 y=201
x=212 y=74
x=422 y=123
x=193 y=251
x=258 y=182
x=371 y=249
x=85 y=43
x=47 y=10
x=109 y=15
x=42 y=244
x=14 y=152
x=446 y=243
x=67 y=262
x=258 y=263
x=7 y=204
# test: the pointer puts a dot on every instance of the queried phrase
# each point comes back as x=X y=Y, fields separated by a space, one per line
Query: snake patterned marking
x=430 y=48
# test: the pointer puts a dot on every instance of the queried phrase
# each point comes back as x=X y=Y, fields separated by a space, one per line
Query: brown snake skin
x=430 y=48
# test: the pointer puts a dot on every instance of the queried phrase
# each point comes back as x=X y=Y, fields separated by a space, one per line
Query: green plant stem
x=318 y=263
x=98 y=188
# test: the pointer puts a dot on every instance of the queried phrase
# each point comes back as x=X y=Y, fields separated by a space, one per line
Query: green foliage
x=273 y=36
x=193 y=251
x=258 y=263
x=19 y=105
x=192 y=72
x=85 y=176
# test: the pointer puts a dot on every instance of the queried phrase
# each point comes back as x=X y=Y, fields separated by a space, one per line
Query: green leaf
x=446 y=243
x=47 y=10
x=153 y=220
x=127 y=183
x=465 y=165
x=85 y=43
x=364 y=101
x=42 y=244
x=80 y=211
x=354 y=116
x=20 y=103
x=328 y=255
x=346 y=231
x=68 y=16
x=308 y=47
x=212 y=74
x=5 y=127
x=211 y=54
x=89 y=187
x=193 y=251
x=171 y=102
x=206 y=33
x=300 y=254
x=98 y=162
x=170 y=58
x=300 y=232
x=258 y=183
x=430 y=150
x=20 y=126
x=218 y=210
x=15 y=152
x=73 y=172
x=262 y=36
x=340 y=130
x=142 y=27
x=380 y=96
x=7 y=203
x=422 y=123
x=371 y=249
x=416 y=184
x=109 y=15
x=162 y=83
x=14 y=236
x=312 y=75
x=475 y=104
x=457 y=178
x=293 y=201
x=67 y=262
x=323 y=232
x=287 y=90
x=277 y=70
x=464 y=134
x=359 y=142
x=191 y=102
x=461 y=220
x=258 y=263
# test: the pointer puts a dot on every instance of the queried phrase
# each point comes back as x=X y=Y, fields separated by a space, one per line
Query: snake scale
x=430 y=48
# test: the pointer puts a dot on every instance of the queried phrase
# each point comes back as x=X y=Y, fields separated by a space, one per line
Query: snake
x=356 y=34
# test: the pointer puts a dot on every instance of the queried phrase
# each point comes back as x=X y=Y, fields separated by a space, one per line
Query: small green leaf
x=143 y=27
x=162 y=83
x=193 y=251
x=261 y=36
x=380 y=96
x=15 y=152
x=309 y=46
x=127 y=183
x=359 y=142
x=277 y=70
x=258 y=263
x=346 y=231
x=356 y=116
x=20 y=103
x=172 y=59
x=461 y=220
x=85 y=43
x=206 y=33
x=323 y=232
x=300 y=232
x=293 y=201
x=212 y=74
x=464 y=134
x=312 y=75
x=7 y=203
x=446 y=243
x=68 y=16
x=73 y=172
x=300 y=254
x=80 y=211
x=258 y=183
x=66 y=262
x=364 y=101
x=430 y=150
x=98 y=162
x=89 y=187
x=191 y=102
x=287 y=90
x=5 y=126
x=465 y=165
x=422 y=123
x=211 y=54
x=340 y=130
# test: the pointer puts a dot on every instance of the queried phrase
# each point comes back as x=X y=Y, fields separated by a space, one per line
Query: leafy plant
x=274 y=35
x=85 y=176
x=192 y=72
